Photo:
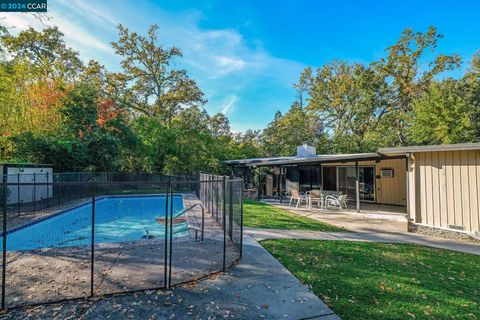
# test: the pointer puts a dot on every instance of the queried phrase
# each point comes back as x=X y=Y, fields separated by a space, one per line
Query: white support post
x=407 y=183
x=357 y=185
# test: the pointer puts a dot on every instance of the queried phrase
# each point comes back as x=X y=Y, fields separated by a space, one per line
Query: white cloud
x=211 y=54
x=82 y=37
x=228 y=67
x=223 y=53
x=96 y=11
x=228 y=64
x=75 y=35
x=19 y=21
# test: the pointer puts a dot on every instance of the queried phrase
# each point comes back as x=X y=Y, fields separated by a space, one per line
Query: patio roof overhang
x=251 y=161
x=318 y=159
x=430 y=148
x=383 y=153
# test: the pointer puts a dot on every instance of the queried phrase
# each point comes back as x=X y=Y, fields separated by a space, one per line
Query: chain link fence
x=80 y=235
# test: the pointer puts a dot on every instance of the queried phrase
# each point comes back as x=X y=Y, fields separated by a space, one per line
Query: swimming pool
x=117 y=219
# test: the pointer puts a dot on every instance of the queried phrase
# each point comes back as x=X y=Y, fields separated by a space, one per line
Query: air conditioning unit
x=386 y=173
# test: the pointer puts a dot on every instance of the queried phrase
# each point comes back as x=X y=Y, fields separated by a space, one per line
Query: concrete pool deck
x=53 y=274
x=259 y=287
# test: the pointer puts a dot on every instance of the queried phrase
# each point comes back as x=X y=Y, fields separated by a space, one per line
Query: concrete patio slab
x=259 y=287
x=351 y=220
x=372 y=210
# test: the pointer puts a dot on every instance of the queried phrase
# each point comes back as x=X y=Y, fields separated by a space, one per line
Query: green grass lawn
x=385 y=281
x=261 y=215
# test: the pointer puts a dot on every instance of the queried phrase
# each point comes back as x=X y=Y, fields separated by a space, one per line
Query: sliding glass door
x=338 y=178
x=346 y=177
x=309 y=178
x=367 y=184
x=346 y=181
x=329 y=178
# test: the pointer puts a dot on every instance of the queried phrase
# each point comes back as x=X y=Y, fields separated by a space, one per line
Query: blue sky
x=245 y=55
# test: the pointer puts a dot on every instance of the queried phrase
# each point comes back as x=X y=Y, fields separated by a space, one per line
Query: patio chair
x=315 y=196
x=298 y=197
x=343 y=201
x=337 y=202
x=251 y=193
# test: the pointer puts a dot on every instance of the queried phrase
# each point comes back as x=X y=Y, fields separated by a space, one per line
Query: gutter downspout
x=407 y=184
x=357 y=185
x=280 y=184
x=412 y=205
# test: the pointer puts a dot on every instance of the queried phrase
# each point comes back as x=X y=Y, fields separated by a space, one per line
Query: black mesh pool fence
x=79 y=235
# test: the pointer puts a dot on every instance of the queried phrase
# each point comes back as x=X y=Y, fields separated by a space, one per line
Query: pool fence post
x=59 y=189
x=224 y=220
x=199 y=176
x=4 y=240
x=205 y=192
x=200 y=191
x=216 y=197
x=48 y=191
x=230 y=209
x=18 y=194
x=171 y=237
x=212 y=191
x=34 y=192
x=203 y=222
x=165 y=268
x=92 y=249
x=209 y=193
x=241 y=218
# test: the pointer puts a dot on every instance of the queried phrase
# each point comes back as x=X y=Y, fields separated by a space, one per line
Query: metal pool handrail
x=202 y=231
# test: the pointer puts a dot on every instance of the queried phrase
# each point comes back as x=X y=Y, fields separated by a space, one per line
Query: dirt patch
x=53 y=274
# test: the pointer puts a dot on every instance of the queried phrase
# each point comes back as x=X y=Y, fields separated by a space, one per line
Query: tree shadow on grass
x=384 y=281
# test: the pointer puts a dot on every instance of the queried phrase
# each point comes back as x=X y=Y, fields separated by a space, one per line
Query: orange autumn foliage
x=44 y=99
x=107 y=110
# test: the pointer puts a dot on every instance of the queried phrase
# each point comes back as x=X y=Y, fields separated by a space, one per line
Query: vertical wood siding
x=391 y=190
x=446 y=186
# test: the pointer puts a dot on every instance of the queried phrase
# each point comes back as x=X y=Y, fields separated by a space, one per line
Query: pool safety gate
x=204 y=238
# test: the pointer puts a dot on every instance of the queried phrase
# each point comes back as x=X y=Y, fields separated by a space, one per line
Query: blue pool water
x=117 y=219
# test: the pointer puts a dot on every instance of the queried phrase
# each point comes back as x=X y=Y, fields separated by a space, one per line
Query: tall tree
x=46 y=51
x=349 y=100
x=246 y=145
x=150 y=82
x=36 y=71
x=285 y=133
x=408 y=74
x=302 y=86
x=449 y=110
x=442 y=115
x=219 y=125
x=194 y=150
x=472 y=83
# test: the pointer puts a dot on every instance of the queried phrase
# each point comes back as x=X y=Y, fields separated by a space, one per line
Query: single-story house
x=438 y=185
